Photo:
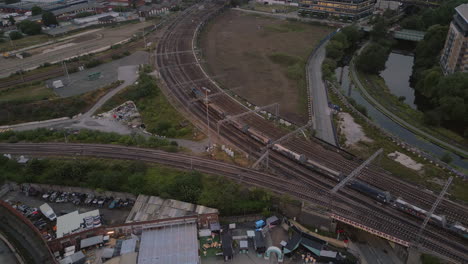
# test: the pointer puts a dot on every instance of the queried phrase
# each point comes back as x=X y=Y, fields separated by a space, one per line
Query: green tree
x=334 y=50
x=29 y=27
x=428 y=50
x=341 y=38
x=379 y=30
x=15 y=35
x=372 y=59
x=12 y=20
x=413 y=22
x=353 y=34
x=36 y=10
x=48 y=18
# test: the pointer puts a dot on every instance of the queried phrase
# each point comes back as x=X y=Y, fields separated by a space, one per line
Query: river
x=397 y=74
x=390 y=126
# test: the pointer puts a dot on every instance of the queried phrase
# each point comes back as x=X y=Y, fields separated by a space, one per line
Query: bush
x=15 y=35
x=93 y=63
x=29 y=27
x=447 y=158
x=83 y=14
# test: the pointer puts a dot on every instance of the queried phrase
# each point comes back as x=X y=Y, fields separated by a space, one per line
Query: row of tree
x=446 y=97
x=29 y=27
x=422 y=19
x=373 y=57
x=138 y=177
x=343 y=42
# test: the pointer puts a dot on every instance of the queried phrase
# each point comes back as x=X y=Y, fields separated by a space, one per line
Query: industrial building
x=171 y=243
x=73 y=222
x=346 y=9
x=147 y=208
x=454 y=56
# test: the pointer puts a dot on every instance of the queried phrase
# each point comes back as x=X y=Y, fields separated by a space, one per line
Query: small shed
x=204 y=233
x=215 y=227
x=250 y=233
x=76 y=258
x=91 y=241
x=244 y=246
x=259 y=242
x=272 y=221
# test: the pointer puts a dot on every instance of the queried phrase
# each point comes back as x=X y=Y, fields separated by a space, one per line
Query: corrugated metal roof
x=91 y=241
x=128 y=246
x=152 y=207
x=172 y=244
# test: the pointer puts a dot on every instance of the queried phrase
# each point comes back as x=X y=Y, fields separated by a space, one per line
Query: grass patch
x=23 y=42
x=14 y=112
x=157 y=113
x=377 y=88
x=87 y=136
x=286 y=27
x=294 y=69
x=34 y=91
x=284 y=59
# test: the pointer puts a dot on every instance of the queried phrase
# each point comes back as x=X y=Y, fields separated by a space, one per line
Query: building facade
x=454 y=56
x=347 y=9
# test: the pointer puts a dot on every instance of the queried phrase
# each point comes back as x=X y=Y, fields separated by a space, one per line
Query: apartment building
x=348 y=9
x=454 y=56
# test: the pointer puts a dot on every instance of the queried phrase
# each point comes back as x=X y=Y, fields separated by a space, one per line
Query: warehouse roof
x=91 y=241
x=128 y=246
x=170 y=244
x=77 y=257
x=148 y=208
x=71 y=222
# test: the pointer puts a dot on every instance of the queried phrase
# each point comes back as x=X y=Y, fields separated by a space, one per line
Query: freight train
x=381 y=196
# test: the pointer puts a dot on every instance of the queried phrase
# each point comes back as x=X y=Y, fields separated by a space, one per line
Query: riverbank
x=409 y=125
x=378 y=89
x=430 y=175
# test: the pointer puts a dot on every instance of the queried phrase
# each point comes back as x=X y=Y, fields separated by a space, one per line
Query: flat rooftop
x=463 y=11
x=148 y=208
x=69 y=223
x=171 y=244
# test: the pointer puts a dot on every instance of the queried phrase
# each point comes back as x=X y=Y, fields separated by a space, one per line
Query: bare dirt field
x=265 y=56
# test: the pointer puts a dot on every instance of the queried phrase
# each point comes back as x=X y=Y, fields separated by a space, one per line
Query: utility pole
x=434 y=206
x=207 y=115
x=64 y=63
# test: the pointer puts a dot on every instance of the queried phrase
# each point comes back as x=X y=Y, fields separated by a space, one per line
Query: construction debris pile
x=126 y=113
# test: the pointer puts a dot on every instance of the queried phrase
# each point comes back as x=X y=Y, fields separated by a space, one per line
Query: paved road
x=403 y=122
x=322 y=113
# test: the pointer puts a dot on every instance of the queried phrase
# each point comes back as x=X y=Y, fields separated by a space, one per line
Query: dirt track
x=238 y=45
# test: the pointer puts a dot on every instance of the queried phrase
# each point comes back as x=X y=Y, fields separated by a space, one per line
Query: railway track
x=179 y=80
x=344 y=206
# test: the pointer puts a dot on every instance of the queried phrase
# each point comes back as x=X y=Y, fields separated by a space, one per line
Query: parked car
x=47 y=195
